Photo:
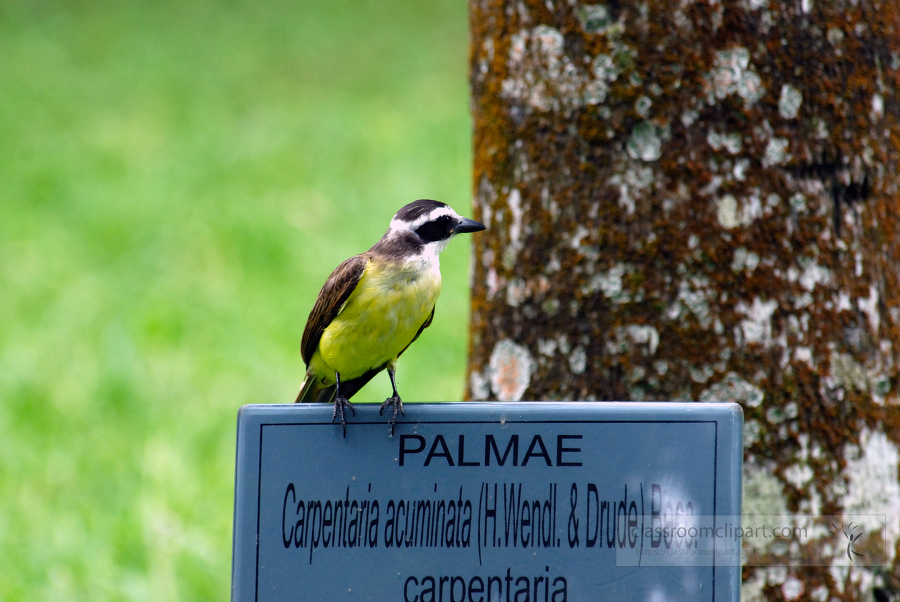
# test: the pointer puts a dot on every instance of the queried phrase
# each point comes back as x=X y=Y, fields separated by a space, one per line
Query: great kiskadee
x=374 y=305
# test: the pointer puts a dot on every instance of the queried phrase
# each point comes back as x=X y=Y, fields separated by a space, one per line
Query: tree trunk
x=699 y=201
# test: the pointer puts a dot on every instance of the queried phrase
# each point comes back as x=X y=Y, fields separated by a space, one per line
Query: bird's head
x=433 y=223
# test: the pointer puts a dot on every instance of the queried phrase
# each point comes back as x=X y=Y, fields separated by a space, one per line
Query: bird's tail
x=311 y=392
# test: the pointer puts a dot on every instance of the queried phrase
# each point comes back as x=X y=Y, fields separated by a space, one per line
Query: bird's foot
x=397 y=404
x=339 y=404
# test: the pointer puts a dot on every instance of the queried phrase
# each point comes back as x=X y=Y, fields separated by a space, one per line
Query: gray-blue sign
x=489 y=502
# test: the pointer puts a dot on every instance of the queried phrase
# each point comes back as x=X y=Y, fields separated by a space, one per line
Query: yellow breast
x=379 y=320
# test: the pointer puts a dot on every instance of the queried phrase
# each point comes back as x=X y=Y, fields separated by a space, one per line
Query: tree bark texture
x=699 y=201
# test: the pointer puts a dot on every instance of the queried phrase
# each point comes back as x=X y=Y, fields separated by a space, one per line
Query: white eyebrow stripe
x=431 y=215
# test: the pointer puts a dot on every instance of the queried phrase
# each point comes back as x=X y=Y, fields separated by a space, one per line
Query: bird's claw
x=339 y=404
x=397 y=403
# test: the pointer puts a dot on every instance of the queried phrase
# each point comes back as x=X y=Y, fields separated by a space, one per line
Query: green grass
x=177 y=179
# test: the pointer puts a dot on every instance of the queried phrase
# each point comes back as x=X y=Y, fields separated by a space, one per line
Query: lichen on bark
x=698 y=201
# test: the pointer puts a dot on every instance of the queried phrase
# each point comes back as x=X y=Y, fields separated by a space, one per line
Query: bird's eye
x=437 y=229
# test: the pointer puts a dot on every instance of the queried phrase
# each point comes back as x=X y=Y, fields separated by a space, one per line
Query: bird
x=374 y=305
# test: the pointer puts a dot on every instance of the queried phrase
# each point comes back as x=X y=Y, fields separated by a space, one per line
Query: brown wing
x=334 y=294
x=423 y=327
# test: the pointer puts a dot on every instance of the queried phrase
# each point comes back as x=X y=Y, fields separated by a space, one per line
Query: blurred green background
x=177 y=180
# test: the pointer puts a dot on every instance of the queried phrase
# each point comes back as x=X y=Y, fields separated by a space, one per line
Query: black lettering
x=326 y=523
x=339 y=523
x=459 y=510
x=573 y=522
x=490 y=443
x=622 y=515
x=466 y=530
x=632 y=523
x=444 y=454
x=404 y=450
x=429 y=590
x=315 y=526
x=398 y=539
x=309 y=512
x=476 y=590
x=563 y=589
x=609 y=509
x=373 y=525
x=299 y=539
x=526 y=523
x=490 y=513
x=425 y=518
x=287 y=540
x=546 y=520
x=406 y=590
x=389 y=525
x=589 y=541
x=414 y=529
x=532 y=454
x=451 y=524
x=346 y=512
x=511 y=524
x=440 y=519
x=461 y=461
x=555 y=506
x=523 y=590
x=560 y=450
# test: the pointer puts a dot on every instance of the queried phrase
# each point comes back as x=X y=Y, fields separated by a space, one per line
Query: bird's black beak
x=468 y=225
